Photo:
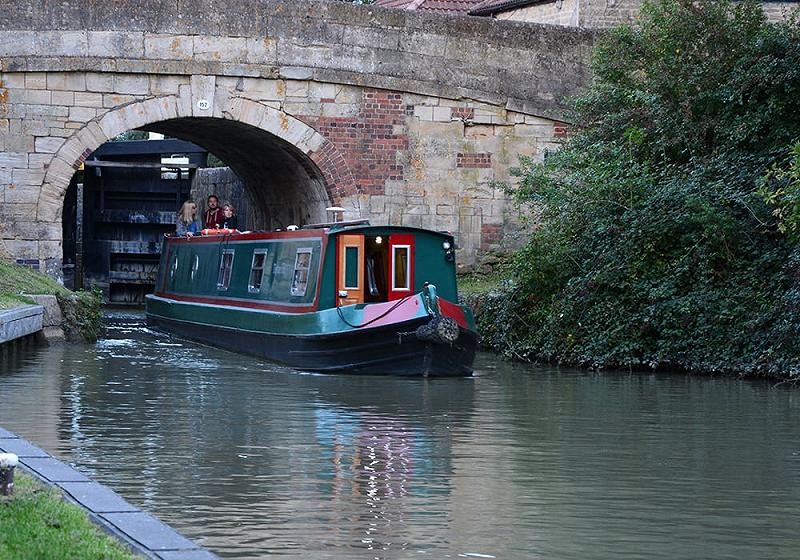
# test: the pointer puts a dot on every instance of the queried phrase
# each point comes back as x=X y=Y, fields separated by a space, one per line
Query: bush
x=657 y=243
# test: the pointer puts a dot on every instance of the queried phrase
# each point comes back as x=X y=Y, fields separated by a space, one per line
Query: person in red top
x=213 y=217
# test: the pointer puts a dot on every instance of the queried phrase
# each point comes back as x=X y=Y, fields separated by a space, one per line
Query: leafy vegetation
x=36 y=523
x=82 y=310
x=667 y=223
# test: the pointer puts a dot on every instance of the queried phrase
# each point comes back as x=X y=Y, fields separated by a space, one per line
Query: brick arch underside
x=291 y=171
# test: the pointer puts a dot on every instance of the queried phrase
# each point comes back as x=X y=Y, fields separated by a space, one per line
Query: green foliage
x=781 y=190
x=82 y=313
x=655 y=246
x=129 y=135
x=36 y=523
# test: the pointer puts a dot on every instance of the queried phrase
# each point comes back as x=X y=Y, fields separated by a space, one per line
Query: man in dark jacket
x=212 y=217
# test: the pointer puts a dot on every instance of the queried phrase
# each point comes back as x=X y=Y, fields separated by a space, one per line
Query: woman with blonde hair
x=186 y=223
x=229 y=220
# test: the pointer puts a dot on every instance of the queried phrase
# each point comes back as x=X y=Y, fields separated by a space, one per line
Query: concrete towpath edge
x=141 y=532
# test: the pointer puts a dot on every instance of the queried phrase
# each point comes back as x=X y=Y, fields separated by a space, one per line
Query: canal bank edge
x=66 y=314
x=140 y=531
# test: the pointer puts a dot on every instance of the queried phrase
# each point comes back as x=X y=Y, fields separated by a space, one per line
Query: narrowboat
x=343 y=297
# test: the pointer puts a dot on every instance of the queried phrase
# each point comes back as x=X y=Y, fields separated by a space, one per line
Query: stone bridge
x=400 y=117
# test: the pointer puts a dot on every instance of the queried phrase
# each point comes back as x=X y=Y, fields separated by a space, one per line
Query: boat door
x=350 y=270
x=401 y=265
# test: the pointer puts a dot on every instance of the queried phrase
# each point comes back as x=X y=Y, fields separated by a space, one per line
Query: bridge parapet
x=528 y=68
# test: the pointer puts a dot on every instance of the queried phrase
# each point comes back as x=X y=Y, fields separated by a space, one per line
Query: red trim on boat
x=229 y=302
x=455 y=312
x=299 y=234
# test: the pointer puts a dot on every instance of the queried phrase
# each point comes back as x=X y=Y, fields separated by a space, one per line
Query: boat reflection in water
x=385 y=451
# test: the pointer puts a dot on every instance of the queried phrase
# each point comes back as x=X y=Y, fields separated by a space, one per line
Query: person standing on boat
x=212 y=217
x=186 y=224
x=229 y=220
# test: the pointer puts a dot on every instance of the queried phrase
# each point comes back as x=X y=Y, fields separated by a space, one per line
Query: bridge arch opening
x=287 y=170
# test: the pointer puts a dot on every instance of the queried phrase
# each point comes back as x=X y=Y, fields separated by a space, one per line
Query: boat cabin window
x=401 y=268
x=351 y=258
x=195 y=265
x=257 y=270
x=302 y=263
x=174 y=268
x=225 y=267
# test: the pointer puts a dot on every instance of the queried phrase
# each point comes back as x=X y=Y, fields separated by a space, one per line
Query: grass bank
x=36 y=523
x=81 y=310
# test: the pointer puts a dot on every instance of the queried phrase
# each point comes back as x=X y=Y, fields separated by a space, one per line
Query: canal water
x=251 y=460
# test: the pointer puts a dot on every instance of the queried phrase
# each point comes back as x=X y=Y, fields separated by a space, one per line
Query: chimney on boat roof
x=337 y=213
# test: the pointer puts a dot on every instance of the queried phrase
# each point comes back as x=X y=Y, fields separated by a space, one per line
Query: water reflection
x=252 y=459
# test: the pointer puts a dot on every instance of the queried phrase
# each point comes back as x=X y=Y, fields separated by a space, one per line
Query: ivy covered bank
x=666 y=232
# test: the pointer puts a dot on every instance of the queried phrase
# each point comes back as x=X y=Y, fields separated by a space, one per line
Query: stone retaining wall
x=19 y=322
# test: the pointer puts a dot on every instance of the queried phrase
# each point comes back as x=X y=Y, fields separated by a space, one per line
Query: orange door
x=350 y=270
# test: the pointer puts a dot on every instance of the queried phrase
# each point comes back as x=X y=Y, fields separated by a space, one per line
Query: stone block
x=36 y=161
x=148 y=531
x=62 y=98
x=161 y=85
x=262 y=50
x=262 y=89
x=49 y=468
x=35 y=80
x=62 y=43
x=20 y=248
x=303 y=108
x=99 y=82
x=168 y=47
x=132 y=84
x=112 y=100
x=227 y=49
x=63 y=132
x=82 y=114
x=19 y=142
x=51 y=317
x=14 y=159
x=295 y=88
x=296 y=72
x=37 y=97
x=343 y=110
x=12 y=80
x=32 y=111
x=48 y=145
x=423 y=113
x=96 y=497
x=87 y=99
x=421 y=42
x=59 y=171
x=445 y=209
x=17 y=43
x=371 y=37
x=442 y=114
x=116 y=44
x=202 y=88
x=377 y=204
x=66 y=81
x=22 y=177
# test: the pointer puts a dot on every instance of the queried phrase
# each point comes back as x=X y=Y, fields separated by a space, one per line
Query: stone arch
x=174 y=115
